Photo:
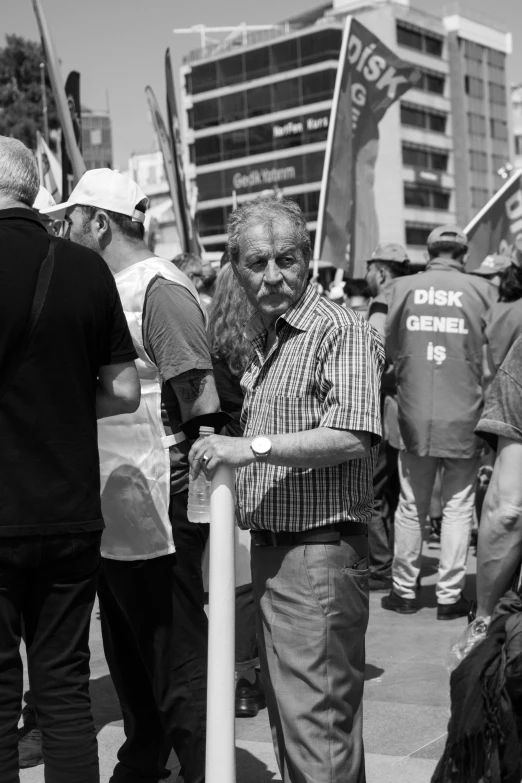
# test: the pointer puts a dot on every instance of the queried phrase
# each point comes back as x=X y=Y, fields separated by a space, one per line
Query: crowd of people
x=348 y=416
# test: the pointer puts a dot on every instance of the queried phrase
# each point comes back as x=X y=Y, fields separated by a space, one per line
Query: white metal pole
x=221 y=758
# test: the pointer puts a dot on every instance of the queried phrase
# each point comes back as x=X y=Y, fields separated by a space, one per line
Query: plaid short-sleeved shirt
x=323 y=371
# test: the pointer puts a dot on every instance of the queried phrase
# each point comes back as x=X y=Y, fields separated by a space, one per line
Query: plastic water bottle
x=198 y=509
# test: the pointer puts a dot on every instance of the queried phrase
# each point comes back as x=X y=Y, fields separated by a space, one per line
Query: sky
x=118 y=46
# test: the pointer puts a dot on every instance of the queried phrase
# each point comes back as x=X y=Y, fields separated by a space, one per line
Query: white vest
x=134 y=450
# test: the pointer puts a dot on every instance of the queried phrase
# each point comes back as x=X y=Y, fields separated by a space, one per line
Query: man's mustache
x=279 y=290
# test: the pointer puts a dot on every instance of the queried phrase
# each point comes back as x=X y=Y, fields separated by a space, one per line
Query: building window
x=423 y=118
x=417 y=235
x=206 y=114
x=414 y=38
x=434 y=84
x=498 y=129
x=474 y=87
x=208 y=150
x=496 y=59
x=476 y=124
x=473 y=51
x=204 y=77
x=257 y=63
x=497 y=94
x=479 y=197
x=315 y=48
x=498 y=162
x=231 y=70
x=318 y=86
x=426 y=198
x=424 y=158
x=478 y=161
x=284 y=56
x=211 y=221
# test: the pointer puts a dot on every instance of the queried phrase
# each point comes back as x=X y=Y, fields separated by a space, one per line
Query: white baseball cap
x=105 y=189
x=43 y=200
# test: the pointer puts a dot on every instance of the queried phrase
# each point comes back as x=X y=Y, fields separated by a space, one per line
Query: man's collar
x=299 y=315
x=25 y=213
x=444 y=263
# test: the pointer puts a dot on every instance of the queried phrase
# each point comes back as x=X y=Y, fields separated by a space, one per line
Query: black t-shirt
x=49 y=464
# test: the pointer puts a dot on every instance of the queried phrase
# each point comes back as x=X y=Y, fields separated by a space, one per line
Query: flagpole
x=62 y=106
x=329 y=146
x=478 y=217
x=44 y=104
x=220 y=756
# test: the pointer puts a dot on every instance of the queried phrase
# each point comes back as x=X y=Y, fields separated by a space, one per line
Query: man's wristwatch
x=261 y=446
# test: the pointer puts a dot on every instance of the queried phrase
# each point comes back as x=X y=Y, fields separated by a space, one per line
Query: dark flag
x=72 y=91
x=53 y=69
x=187 y=232
x=370 y=78
x=498 y=226
x=168 y=160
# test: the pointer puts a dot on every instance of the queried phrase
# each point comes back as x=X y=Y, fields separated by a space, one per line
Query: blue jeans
x=49 y=582
x=312 y=613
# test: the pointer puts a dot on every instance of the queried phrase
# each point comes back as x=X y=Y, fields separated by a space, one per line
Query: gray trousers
x=312 y=614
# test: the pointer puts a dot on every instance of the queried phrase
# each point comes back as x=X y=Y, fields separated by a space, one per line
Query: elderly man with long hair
x=304 y=489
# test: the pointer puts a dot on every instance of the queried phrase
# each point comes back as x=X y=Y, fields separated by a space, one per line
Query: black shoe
x=451 y=611
x=29 y=748
x=394 y=603
x=435 y=528
x=375 y=583
x=250 y=698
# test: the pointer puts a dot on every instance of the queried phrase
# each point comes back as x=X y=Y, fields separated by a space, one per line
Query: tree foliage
x=21 y=112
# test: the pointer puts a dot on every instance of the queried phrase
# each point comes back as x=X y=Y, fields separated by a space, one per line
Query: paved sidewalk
x=406 y=698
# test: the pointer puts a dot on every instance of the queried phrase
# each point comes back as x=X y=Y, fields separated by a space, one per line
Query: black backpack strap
x=40 y=295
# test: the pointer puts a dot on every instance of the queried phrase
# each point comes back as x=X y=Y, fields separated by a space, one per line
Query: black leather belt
x=327 y=534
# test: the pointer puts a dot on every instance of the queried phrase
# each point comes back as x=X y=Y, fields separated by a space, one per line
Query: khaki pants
x=417 y=475
x=312 y=613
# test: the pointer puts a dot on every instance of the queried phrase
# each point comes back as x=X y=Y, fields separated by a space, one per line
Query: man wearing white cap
x=153 y=621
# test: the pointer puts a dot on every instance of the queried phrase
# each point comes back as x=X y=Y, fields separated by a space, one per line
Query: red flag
x=370 y=78
x=498 y=225
x=62 y=107
x=189 y=240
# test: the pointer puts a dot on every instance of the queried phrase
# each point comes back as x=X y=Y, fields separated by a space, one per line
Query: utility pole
x=44 y=104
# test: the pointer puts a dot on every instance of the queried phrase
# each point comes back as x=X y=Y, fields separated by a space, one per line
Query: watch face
x=261 y=445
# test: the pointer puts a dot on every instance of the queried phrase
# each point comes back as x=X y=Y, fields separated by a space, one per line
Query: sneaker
x=376 y=584
x=29 y=748
x=250 y=698
x=460 y=608
x=394 y=603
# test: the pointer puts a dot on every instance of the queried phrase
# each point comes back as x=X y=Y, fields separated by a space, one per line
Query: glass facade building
x=257 y=111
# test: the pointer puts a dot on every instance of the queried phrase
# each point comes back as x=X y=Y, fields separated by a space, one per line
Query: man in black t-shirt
x=77 y=365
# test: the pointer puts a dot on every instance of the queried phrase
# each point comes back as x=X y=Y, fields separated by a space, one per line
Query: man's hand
x=209 y=453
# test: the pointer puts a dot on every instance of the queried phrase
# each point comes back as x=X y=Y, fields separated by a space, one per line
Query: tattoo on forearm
x=190 y=385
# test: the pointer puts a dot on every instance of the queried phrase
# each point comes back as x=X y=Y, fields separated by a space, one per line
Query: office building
x=256 y=109
x=96 y=139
